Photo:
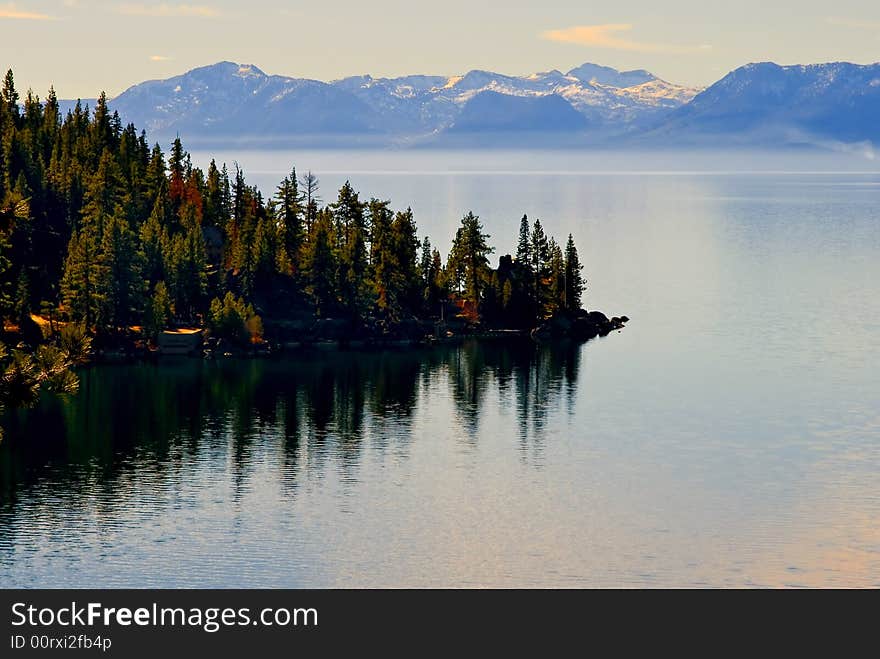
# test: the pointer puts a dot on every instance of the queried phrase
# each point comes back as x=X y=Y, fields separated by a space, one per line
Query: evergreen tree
x=263 y=254
x=9 y=98
x=101 y=137
x=288 y=215
x=234 y=319
x=159 y=311
x=310 y=185
x=155 y=241
x=122 y=288
x=556 y=272
x=468 y=259
x=524 y=245
x=383 y=259
x=104 y=196
x=425 y=263
x=188 y=276
x=540 y=255
x=575 y=284
x=406 y=248
x=319 y=264
x=351 y=248
x=216 y=209
x=83 y=281
x=176 y=170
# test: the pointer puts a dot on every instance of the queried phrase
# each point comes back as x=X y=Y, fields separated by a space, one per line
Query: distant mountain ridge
x=762 y=103
x=768 y=103
x=229 y=100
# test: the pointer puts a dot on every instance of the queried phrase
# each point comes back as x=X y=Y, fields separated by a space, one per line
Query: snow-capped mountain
x=233 y=100
x=773 y=104
x=229 y=99
x=607 y=98
x=765 y=104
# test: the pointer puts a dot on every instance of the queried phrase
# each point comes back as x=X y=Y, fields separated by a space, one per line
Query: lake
x=729 y=436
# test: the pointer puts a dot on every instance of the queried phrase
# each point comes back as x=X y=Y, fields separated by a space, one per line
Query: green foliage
x=524 y=245
x=75 y=343
x=233 y=319
x=96 y=224
x=159 y=311
x=23 y=375
x=289 y=221
x=350 y=230
x=122 y=287
x=186 y=268
x=468 y=259
x=84 y=280
x=575 y=284
x=556 y=278
x=540 y=261
x=319 y=264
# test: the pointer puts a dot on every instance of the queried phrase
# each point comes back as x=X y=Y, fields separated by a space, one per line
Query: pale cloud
x=606 y=36
x=168 y=11
x=159 y=58
x=13 y=12
x=853 y=23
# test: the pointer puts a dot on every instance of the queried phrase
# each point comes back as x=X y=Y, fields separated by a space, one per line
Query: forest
x=100 y=228
x=106 y=241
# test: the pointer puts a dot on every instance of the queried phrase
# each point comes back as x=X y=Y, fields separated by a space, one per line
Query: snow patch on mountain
x=243 y=97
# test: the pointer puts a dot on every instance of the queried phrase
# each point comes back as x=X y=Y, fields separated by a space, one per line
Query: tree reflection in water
x=313 y=406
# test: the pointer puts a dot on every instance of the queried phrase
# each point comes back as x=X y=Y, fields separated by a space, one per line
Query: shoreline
x=581 y=327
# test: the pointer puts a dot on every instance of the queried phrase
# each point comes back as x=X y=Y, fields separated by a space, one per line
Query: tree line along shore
x=106 y=241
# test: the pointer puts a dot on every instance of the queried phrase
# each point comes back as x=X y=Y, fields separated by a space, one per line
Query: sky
x=85 y=46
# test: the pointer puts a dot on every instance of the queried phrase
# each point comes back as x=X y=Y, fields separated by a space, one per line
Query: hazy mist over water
x=729 y=436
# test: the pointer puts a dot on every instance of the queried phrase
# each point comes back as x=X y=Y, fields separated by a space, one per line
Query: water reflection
x=318 y=406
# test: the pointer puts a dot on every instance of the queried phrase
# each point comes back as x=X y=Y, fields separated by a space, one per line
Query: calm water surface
x=730 y=436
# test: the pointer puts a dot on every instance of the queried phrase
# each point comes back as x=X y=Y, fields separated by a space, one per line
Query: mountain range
x=761 y=103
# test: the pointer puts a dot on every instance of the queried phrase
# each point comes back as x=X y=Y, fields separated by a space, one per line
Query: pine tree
x=319 y=264
x=524 y=245
x=102 y=137
x=540 y=254
x=122 y=289
x=437 y=276
x=9 y=98
x=188 y=274
x=176 y=171
x=155 y=242
x=575 y=284
x=425 y=263
x=234 y=319
x=154 y=178
x=216 y=211
x=288 y=216
x=351 y=248
x=468 y=259
x=406 y=248
x=310 y=185
x=83 y=281
x=263 y=254
x=104 y=196
x=556 y=272
x=383 y=259
x=159 y=311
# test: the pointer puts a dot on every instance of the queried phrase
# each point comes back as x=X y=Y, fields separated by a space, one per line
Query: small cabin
x=180 y=341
